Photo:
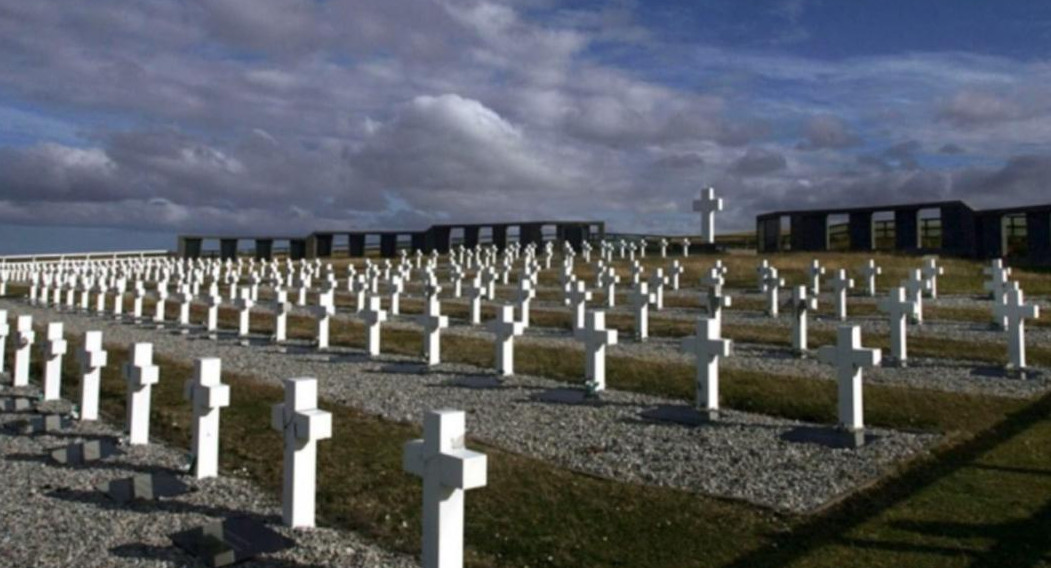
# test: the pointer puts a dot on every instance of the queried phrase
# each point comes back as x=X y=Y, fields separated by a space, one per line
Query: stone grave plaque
x=567 y=396
x=681 y=414
x=40 y=424
x=145 y=486
x=830 y=437
x=86 y=452
x=230 y=541
x=16 y=404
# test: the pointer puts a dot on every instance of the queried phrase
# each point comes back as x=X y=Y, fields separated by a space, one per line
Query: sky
x=124 y=123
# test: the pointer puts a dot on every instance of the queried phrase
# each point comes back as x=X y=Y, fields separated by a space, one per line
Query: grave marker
x=850 y=358
x=141 y=374
x=707 y=347
x=207 y=395
x=92 y=357
x=303 y=425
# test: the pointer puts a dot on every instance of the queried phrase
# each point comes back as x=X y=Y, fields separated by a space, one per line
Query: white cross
x=54 y=347
x=664 y=248
x=707 y=205
x=244 y=307
x=526 y=293
x=685 y=248
x=596 y=337
x=762 y=272
x=815 y=272
x=801 y=306
x=657 y=283
x=998 y=277
x=578 y=297
x=141 y=374
x=5 y=330
x=773 y=285
x=325 y=309
x=24 y=338
x=207 y=394
x=448 y=469
x=707 y=347
x=931 y=271
x=303 y=425
x=674 y=273
x=162 y=296
x=869 y=272
x=898 y=308
x=432 y=322
x=641 y=298
x=505 y=328
x=1015 y=311
x=840 y=285
x=849 y=358
x=92 y=358
x=475 y=293
x=609 y=282
x=374 y=316
x=397 y=286
x=915 y=285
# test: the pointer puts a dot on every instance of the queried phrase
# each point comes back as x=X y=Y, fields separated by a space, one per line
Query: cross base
x=892 y=361
x=849 y=438
x=802 y=353
x=1021 y=373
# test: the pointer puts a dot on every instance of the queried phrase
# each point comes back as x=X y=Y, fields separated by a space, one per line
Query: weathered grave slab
x=85 y=452
x=40 y=424
x=145 y=486
x=232 y=540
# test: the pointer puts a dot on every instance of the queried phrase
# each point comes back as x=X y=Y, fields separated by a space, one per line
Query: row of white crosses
x=440 y=458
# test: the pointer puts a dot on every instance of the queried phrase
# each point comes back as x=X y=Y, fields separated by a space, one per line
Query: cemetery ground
x=977 y=494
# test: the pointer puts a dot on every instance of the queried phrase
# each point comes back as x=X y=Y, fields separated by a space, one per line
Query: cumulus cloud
x=969 y=108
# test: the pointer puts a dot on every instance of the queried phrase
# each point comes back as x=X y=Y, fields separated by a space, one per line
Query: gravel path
x=745 y=456
x=53 y=516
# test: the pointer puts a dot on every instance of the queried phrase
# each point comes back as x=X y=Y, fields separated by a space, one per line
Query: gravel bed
x=745 y=456
x=53 y=515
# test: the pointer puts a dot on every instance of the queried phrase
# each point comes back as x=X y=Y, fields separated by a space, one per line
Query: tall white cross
x=282 y=307
x=54 y=347
x=609 y=282
x=898 y=308
x=475 y=292
x=707 y=205
x=998 y=276
x=707 y=347
x=505 y=328
x=325 y=309
x=849 y=359
x=674 y=272
x=657 y=283
x=92 y=358
x=448 y=469
x=303 y=425
x=1015 y=311
x=141 y=374
x=207 y=395
x=596 y=337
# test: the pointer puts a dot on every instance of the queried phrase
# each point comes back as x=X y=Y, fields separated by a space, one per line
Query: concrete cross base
x=894 y=362
x=1020 y=373
x=16 y=405
x=849 y=438
x=802 y=353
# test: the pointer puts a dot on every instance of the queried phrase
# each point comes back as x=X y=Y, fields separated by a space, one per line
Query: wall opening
x=883 y=234
x=1015 y=235
x=456 y=237
x=838 y=232
x=485 y=235
x=930 y=229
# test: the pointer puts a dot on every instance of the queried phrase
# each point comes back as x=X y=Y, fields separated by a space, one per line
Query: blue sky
x=127 y=123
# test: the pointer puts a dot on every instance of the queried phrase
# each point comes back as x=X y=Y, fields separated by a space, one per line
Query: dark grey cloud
x=951 y=149
x=827 y=131
x=757 y=161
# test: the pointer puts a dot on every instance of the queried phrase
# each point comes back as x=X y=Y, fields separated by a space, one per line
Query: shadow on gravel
x=173 y=505
x=573 y=397
x=176 y=557
x=120 y=466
